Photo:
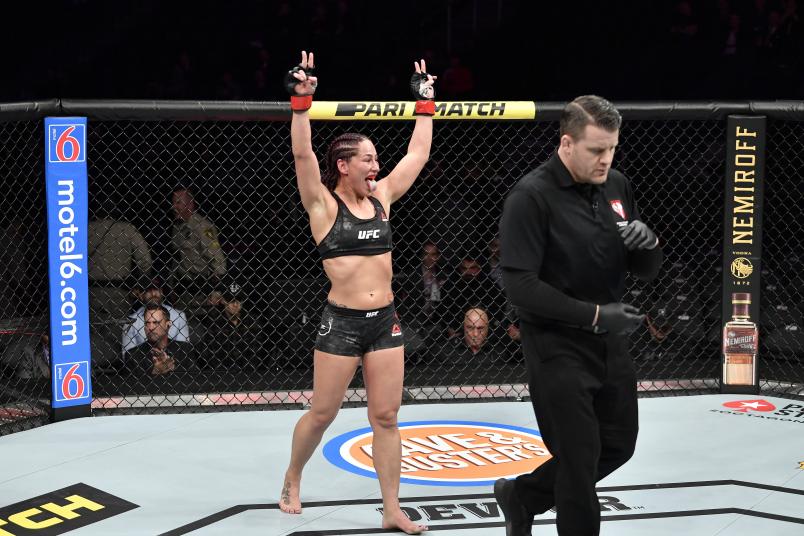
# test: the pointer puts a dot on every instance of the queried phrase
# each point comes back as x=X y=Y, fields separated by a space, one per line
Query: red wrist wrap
x=425 y=107
x=300 y=104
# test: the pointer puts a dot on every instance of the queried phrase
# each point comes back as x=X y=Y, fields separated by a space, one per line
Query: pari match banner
x=742 y=250
x=66 y=191
x=383 y=111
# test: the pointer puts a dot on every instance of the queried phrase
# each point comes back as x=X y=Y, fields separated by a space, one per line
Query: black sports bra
x=351 y=235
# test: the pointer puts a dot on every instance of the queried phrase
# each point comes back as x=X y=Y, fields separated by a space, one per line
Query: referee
x=570 y=231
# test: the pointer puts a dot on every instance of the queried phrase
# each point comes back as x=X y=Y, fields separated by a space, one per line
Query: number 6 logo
x=69 y=378
x=64 y=139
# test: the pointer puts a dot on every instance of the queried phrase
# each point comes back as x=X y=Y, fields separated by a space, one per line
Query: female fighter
x=349 y=210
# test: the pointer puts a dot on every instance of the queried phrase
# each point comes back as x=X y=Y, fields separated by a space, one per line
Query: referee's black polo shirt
x=564 y=235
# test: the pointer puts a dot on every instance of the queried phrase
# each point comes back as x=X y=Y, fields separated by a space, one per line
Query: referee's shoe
x=518 y=521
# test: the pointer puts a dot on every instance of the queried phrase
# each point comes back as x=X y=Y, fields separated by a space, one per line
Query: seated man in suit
x=473 y=347
x=134 y=335
x=159 y=355
x=470 y=288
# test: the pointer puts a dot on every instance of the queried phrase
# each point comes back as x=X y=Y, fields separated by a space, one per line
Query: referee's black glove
x=619 y=317
x=637 y=235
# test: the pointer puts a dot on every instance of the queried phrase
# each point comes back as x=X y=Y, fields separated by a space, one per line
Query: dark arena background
x=187 y=97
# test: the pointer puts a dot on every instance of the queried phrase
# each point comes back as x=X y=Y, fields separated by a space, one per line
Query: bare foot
x=289 y=498
x=399 y=520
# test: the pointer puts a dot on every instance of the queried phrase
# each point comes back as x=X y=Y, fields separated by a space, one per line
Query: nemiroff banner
x=66 y=180
x=742 y=249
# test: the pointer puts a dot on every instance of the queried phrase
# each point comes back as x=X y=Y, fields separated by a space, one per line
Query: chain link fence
x=203 y=217
x=782 y=302
x=24 y=346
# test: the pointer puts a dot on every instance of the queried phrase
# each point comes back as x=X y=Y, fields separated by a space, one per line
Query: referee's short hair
x=589 y=110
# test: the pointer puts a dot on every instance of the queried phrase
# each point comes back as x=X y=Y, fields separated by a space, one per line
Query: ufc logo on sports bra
x=366 y=235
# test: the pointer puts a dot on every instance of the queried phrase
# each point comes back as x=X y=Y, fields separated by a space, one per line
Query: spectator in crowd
x=419 y=300
x=474 y=345
x=23 y=249
x=158 y=355
x=458 y=81
x=283 y=22
x=737 y=67
x=228 y=88
x=261 y=73
x=119 y=261
x=494 y=271
x=472 y=199
x=181 y=77
x=733 y=38
x=199 y=263
x=780 y=43
x=684 y=26
x=771 y=36
x=14 y=267
x=493 y=268
x=344 y=21
x=675 y=314
x=422 y=292
x=134 y=335
x=231 y=337
x=26 y=352
x=684 y=37
x=471 y=288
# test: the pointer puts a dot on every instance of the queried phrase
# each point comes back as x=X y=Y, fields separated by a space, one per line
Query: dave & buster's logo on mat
x=763 y=409
x=447 y=453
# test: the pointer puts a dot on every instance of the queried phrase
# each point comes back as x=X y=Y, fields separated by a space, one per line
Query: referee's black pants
x=583 y=390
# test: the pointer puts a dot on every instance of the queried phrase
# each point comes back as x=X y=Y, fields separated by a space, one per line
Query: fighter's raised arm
x=301 y=84
x=402 y=176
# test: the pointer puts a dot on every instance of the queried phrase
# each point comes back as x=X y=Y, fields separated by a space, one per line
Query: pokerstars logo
x=763 y=409
x=447 y=453
x=744 y=406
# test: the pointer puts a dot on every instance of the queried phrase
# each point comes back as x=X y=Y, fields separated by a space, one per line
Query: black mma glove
x=300 y=102
x=291 y=81
x=637 y=235
x=618 y=317
x=423 y=93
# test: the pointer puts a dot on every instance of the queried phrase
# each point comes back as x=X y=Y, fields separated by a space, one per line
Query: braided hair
x=343 y=147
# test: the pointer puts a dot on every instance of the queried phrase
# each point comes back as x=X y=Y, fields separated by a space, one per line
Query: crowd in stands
x=747 y=49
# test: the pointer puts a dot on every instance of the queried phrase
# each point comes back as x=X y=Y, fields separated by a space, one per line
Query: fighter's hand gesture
x=300 y=80
x=421 y=83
